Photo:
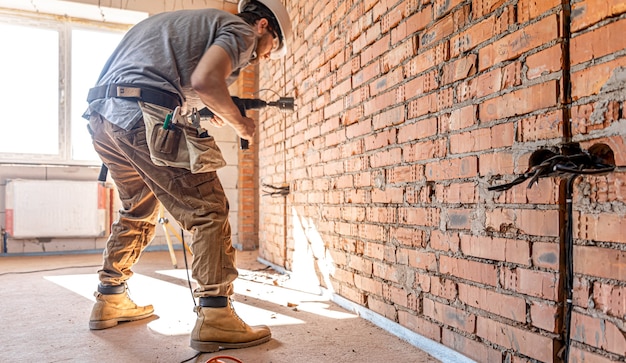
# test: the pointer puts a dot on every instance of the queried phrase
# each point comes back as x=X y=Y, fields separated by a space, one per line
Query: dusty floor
x=46 y=301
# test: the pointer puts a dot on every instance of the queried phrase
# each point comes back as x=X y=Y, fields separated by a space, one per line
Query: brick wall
x=407 y=111
x=247 y=183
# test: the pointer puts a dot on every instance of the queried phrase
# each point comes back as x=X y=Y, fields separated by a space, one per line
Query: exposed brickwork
x=248 y=176
x=407 y=110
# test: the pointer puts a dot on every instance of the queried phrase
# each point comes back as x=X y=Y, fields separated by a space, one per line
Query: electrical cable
x=569 y=266
x=192 y=358
x=573 y=162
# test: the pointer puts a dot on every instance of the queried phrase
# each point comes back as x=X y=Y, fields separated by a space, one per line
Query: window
x=47 y=66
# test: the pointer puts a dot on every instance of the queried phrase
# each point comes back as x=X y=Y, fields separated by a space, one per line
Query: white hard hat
x=280 y=13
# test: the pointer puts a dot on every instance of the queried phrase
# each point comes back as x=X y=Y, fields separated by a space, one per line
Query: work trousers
x=196 y=201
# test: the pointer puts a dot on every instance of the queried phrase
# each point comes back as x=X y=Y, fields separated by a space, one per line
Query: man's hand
x=246 y=129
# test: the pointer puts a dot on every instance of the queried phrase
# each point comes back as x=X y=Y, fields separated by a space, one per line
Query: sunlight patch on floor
x=262 y=287
x=172 y=303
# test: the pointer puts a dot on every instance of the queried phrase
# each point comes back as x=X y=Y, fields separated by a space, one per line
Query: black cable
x=569 y=266
x=192 y=358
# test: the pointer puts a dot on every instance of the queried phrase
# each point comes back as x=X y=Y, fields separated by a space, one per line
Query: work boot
x=113 y=305
x=218 y=326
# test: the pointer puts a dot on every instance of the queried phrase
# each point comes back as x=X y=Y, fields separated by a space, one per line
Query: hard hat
x=280 y=13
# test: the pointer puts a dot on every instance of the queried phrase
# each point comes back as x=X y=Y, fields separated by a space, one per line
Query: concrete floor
x=46 y=301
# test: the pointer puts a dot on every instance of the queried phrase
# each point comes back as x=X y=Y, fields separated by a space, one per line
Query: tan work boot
x=111 y=309
x=221 y=327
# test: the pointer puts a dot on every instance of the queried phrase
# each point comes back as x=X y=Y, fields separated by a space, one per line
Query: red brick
x=599 y=333
x=483 y=247
x=456 y=193
x=437 y=32
x=417 y=130
x=427 y=59
x=461 y=118
x=421 y=84
x=577 y=355
x=604 y=227
x=531 y=9
x=459 y=69
x=517 y=251
x=591 y=117
x=450 y=316
x=539 y=284
x=588 y=12
x=458 y=218
x=444 y=241
x=385 y=158
x=468 y=270
x=590 y=80
x=519 y=42
x=387 y=270
x=608 y=188
x=526 y=221
x=471 y=348
x=445 y=98
x=382 y=308
x=484 y=84
x=478 y=139
x=422 y=106
x=421 y=259
x=546 y=255
x=524 y=341
x=419 y=216
x=520 y=102
x=425 y=150
x=466 y=167
x=394 y=116
x=508 y=306
x=351 y=293
x=545 y=126
x=375 y=50
x=408 y=237
x=444 y=288
x=600 y=262
x=598 y=42
x=420 y=325
x=545 y=316
x=582 y=292
x=547 y=61
x=483 y=7
x=473 y=36
x=610 y=299
x=497 y=163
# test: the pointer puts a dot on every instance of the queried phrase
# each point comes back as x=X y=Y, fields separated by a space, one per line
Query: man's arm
x=209 y=82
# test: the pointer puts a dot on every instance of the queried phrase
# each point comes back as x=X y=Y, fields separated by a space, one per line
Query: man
x=184 y=58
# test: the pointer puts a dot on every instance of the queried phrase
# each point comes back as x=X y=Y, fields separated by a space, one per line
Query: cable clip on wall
x=571 y=161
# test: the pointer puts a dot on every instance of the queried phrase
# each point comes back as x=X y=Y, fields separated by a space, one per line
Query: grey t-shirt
x=163 y=50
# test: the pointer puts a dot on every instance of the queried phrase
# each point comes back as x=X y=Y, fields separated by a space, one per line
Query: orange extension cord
x=218 y=359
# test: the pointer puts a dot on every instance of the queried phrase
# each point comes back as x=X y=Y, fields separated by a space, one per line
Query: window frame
x=64 y=25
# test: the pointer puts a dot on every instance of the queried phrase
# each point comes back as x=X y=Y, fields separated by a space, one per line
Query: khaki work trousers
x=196 y=201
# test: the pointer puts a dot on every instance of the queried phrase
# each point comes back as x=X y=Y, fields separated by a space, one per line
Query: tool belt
x=136 y=92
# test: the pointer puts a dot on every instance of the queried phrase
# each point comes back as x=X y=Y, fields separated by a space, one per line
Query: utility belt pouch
x=172 y=141
x=165 y=142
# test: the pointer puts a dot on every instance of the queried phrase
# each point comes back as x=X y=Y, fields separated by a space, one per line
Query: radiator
x=57 y=208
